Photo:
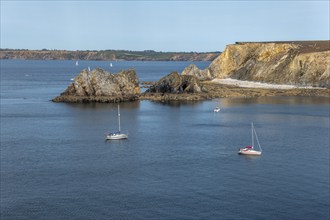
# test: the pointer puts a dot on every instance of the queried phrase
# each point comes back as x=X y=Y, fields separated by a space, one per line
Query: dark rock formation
x=101 y=86
x=175 y=83
x=176 y=87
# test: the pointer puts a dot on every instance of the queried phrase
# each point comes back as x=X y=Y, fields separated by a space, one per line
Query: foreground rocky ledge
x=216 y=90
x=100 y=99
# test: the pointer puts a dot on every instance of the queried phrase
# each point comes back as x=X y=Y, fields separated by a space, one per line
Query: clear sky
x=158 y=25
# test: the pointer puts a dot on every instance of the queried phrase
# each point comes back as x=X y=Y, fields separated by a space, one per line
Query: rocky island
x=303 y=68
x=99 y=85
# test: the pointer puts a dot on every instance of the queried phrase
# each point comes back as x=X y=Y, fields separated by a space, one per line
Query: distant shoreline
x=106 y=55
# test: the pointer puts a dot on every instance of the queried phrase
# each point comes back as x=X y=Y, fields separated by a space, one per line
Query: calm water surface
x=180 y=161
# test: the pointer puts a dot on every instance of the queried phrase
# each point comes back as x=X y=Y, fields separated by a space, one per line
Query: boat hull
x=116 y=136
x=249 y=152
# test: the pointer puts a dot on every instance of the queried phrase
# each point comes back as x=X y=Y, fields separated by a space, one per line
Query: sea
x=179 y=162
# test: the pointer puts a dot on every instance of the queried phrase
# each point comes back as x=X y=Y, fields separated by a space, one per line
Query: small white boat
x=110 y=64
x=216 y=109
x=77 y=63
x=116 y=135
x=249 y=150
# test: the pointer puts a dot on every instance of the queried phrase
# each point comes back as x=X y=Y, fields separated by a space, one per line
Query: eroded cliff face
x=101 y=86
x=297 y=63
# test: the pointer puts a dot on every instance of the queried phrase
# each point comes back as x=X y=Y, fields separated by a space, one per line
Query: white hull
x=249 y=152
x=116 y=136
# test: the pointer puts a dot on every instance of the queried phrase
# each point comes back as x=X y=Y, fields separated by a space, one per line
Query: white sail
x=257 y=139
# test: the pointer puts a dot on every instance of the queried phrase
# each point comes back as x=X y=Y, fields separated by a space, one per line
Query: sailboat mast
x=118 y=117
x=252 y=134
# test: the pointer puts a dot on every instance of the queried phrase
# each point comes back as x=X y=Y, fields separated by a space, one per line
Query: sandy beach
x=251 y=84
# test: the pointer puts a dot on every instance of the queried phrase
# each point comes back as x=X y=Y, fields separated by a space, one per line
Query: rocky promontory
x=300 y=63
x=175 y=87
x=99 y=85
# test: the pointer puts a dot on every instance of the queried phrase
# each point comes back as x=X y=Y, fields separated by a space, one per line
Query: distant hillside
x=147 y=55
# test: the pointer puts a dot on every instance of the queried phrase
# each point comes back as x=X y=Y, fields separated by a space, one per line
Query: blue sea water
x=180 y=161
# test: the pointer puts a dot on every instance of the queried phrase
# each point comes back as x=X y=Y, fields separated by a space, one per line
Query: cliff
x=302 y=63
x=101 y=86
x=147 y=55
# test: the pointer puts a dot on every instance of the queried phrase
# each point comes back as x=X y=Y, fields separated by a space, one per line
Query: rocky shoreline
x=90 y=87
x=242 y=70
x=216 y=90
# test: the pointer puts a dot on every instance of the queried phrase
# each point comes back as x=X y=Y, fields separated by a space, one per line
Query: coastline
x=220 y=90
x=253 y=84
x=213 y=89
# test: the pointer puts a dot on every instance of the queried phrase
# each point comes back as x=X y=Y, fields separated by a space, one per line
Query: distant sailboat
x=249 y=150
x=110 y=64
x=216 y=109
x=89 y=69
x=117 y=135
x=77 y=63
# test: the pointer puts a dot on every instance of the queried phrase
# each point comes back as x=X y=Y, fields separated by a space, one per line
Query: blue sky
x=158 y=25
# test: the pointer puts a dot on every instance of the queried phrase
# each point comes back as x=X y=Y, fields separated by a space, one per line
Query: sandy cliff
x=303 y=63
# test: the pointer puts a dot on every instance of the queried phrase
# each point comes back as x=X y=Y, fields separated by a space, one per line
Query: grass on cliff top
x=305 y=46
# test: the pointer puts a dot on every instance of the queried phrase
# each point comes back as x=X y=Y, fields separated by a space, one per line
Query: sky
x=199 y=26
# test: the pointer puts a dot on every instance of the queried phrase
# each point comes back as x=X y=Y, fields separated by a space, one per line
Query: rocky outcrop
x=176 y=87
x=304 y=63
x=176 y=83
x=101 y=86
x=193 y=70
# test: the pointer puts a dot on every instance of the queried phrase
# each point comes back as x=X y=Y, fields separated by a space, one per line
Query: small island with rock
x=252 y=69
x=99 y=85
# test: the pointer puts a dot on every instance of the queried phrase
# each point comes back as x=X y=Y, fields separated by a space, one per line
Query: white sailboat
x=249 y=150
x=110 y=64
x=117 y=135
x=216 y=109
x=77 y=63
